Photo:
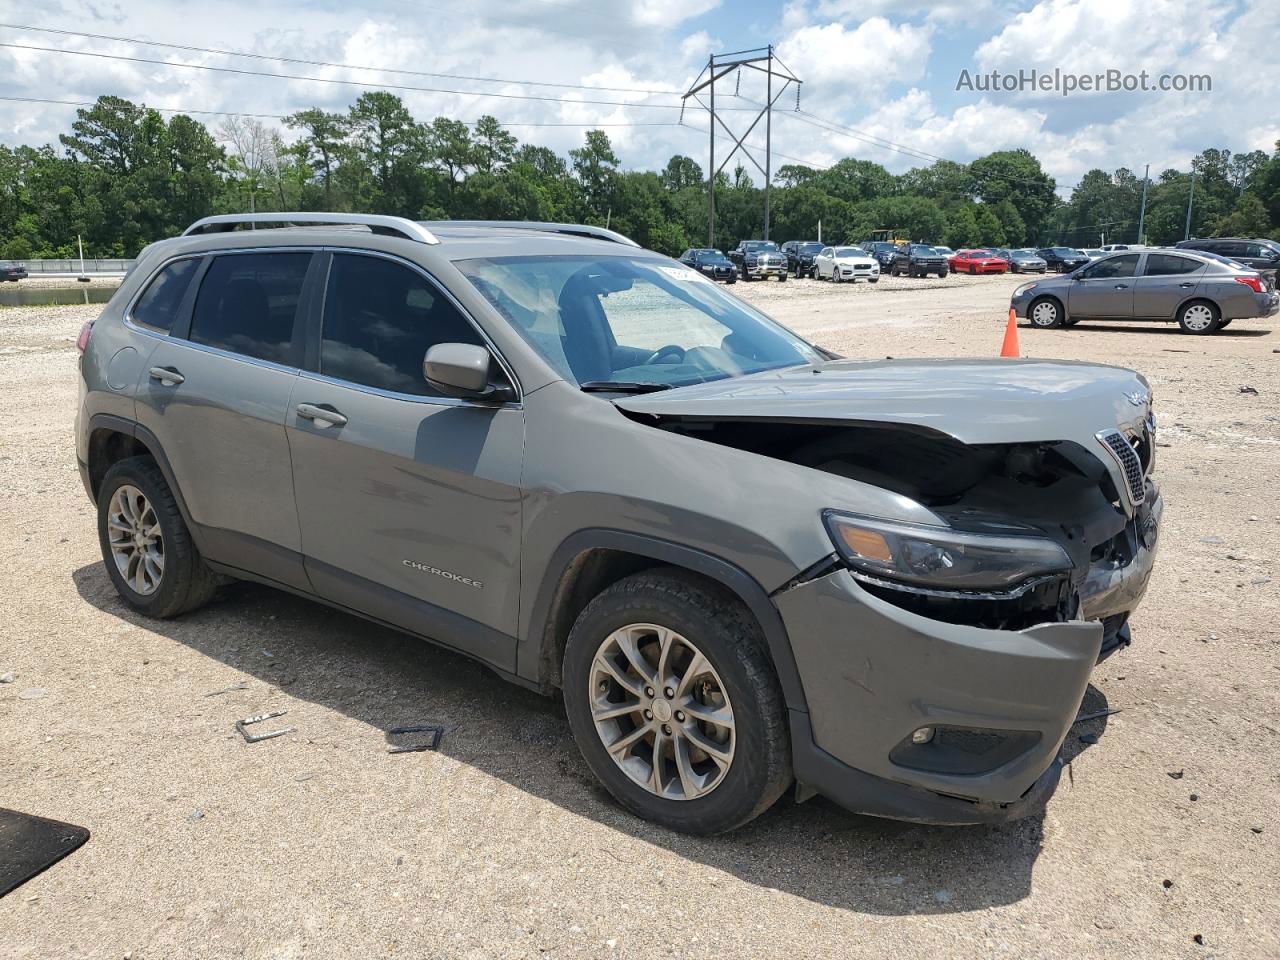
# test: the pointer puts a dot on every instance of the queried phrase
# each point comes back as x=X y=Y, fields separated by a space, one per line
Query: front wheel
x=146 y=546
x=674 y=703
x=1198 y=317
x=782 y=278
x=1045 y=314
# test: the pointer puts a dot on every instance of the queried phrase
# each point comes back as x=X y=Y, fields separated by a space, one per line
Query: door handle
x=321 y=416
x=167 y=376
x=1186 y=286
x=1122 y=286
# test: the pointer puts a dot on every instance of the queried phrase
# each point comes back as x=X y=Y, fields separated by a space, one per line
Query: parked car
x=1261 y=255
x=1026 y=261
x=1201 y=294
x=945 y=251
x=712 y=262
x=1062 y=259
x=516 y=440
x=1113 y=247
x=12 y=272
x=1093 y=253
x=845 y=263
x=800 y=254
x=759 y=258
x=882 y=251
x=977 y=261
x=918 y=260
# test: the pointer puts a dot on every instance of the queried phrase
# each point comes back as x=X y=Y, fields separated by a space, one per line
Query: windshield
x=632 y=320
x=1067 y=252
x=759 y=245
x=809 y=247
x=919 y=250
x=850 y=252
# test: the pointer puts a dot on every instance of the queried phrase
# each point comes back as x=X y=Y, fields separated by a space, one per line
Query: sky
x=880 y=77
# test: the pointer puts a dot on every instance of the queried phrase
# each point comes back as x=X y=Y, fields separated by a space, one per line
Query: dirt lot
x=320 y=844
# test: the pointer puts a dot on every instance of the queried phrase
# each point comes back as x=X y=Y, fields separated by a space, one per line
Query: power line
x=342 y=83
x=277 y=116
x=326 y=63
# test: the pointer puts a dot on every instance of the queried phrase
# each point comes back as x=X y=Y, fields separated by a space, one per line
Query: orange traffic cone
x=1010 y=347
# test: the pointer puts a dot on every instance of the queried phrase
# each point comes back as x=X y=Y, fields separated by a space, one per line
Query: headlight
x=916 y=556
x=1025 y=288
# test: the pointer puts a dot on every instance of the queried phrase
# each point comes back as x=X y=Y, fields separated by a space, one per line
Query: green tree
x=494 y=146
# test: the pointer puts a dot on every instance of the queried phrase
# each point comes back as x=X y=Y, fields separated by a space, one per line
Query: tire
x=835 y=275
x=184 y=581
x=875 y=279
x=758 y=767
x=942 y=274
x=1199 y=317
x=782 y=278
x=1045 y=313
x=730 y=279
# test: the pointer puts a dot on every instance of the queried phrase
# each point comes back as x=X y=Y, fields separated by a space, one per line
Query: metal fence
x=92 y=268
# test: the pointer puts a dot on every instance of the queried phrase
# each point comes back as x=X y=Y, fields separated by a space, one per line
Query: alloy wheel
x=661 y=711
x=137 y=542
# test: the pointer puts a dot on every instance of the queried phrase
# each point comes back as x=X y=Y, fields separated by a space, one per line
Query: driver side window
x=1113 y=268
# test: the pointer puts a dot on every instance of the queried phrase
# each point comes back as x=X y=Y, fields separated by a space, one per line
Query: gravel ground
x=320 y=844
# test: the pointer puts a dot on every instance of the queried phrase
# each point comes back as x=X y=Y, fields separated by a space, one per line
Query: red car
x=977 y=261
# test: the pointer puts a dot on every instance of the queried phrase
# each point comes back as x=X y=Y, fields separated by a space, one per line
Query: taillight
x=1253 y=283
x=82 y=341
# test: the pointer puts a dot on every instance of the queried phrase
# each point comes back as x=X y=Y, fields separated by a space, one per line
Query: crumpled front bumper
x=874 y=673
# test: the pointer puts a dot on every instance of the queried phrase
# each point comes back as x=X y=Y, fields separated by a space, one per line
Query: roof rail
x=573 y=229
x=377 y=223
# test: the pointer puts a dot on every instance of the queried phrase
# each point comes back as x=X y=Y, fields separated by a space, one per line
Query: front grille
x=1122 y=451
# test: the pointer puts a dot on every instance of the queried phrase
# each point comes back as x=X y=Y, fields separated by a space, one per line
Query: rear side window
x=380 y=318
x=247 y=304
x=159 y=304
x=1164 y=265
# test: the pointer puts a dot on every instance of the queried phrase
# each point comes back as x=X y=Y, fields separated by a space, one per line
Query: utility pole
x=719 y=66
x=1142 y=213
x=1186 y=234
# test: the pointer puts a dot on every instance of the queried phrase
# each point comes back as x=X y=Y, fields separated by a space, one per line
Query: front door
x=215 y=392
x=409 y=501
x=1104 y=289
x=1167 y=281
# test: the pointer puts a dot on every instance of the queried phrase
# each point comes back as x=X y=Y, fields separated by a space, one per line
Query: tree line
x=125 y=176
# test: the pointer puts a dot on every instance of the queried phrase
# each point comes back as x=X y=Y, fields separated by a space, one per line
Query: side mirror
x=461 y=370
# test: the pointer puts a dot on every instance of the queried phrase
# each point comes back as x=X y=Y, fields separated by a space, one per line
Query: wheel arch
x=112 y=439
x=591 y=560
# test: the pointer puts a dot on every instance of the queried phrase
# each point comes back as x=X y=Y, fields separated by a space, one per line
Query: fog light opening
x=923 y=735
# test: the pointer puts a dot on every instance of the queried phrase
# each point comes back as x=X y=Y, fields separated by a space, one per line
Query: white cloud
x=830 y=55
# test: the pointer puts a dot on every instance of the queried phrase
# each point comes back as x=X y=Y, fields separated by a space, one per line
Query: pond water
x=18 y=295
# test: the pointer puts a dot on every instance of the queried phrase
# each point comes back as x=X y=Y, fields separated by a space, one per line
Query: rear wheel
x=1198 y=317
x=674 y=703
x=1045 y=313
x=146 y=545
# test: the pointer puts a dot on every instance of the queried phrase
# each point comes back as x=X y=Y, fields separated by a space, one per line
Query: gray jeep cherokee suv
x=743 y=561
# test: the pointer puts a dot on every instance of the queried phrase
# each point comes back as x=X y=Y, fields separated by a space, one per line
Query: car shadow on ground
x=1152 y=326
x=813 y=850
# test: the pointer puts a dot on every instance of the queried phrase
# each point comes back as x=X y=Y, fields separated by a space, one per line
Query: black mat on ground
x=30 y=844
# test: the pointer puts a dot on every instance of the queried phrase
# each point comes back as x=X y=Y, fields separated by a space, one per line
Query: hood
x=975 y=401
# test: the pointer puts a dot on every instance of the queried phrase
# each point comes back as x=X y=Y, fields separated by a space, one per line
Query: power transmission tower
x=719 y=66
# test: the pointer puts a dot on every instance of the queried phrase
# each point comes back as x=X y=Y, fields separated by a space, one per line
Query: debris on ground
x=1248 y=389
x=1256 y=829
x=430 y=742
x=231 y=689
x=195 y=816
x=8 y=677
x=1198 y=938
x=1088 y=738
x=1176 y=774
x=1166 y=883
x=1095 y=716
x=33 y=693
x=255 y=738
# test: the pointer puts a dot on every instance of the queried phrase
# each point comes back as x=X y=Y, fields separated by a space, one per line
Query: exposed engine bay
x=1057 y=490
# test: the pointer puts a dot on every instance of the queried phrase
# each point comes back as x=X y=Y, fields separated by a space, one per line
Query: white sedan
x=845 y=263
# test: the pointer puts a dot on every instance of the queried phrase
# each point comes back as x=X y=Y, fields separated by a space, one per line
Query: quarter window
x=380 y=318
x=1113 y=267
x=1163 y=265
x=158 y=306
x=248 y=302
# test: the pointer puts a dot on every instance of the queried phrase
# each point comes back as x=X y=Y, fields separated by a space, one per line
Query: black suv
x=759 y=258
x=1062 y=259
x=12 y=271
x=711 y=262
x=800 y=254
x=917 y=260
x=1262 y=255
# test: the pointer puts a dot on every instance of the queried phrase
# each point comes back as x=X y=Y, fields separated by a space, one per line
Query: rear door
x=215 y=391
x=409 y=501
x=1104 y=289
x=1167 y=281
